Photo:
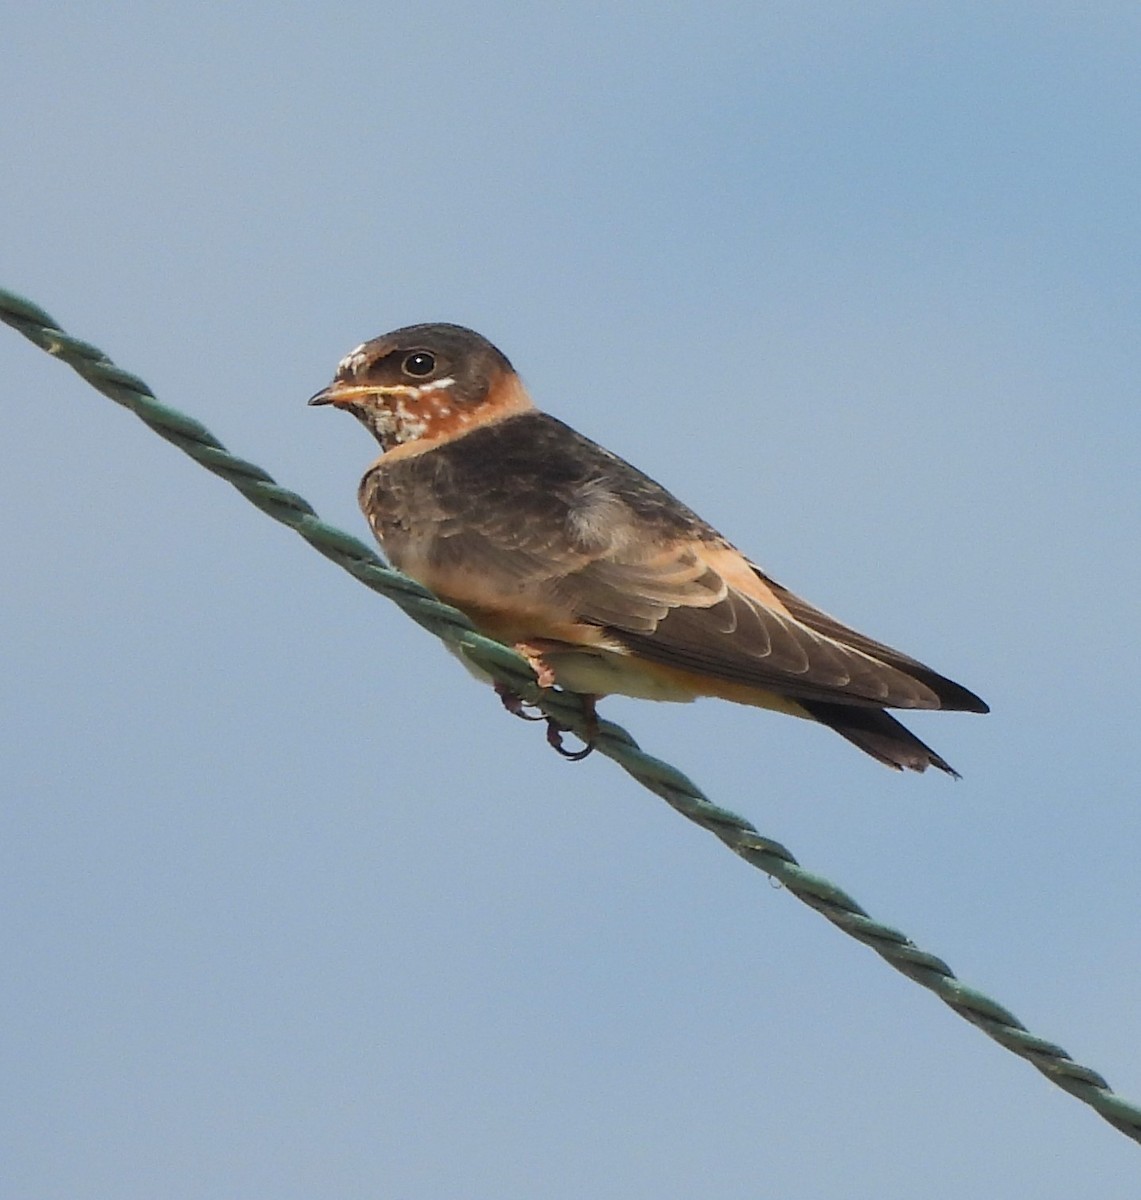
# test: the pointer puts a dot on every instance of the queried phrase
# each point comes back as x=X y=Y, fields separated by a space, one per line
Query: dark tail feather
x=879 y=735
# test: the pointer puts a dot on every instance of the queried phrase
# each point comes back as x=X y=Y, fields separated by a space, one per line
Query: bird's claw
x=518 y=707
x=555 y=733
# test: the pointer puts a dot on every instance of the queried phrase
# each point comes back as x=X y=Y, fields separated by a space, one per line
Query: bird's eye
x=419 y=363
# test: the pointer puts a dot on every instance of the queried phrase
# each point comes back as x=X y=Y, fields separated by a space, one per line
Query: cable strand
x=508 y=667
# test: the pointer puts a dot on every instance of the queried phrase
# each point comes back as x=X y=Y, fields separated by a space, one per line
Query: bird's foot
x=533 y=653
x=555 y=733
x=518 y=707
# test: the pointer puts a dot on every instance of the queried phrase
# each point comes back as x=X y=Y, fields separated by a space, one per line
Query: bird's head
x=424 y=383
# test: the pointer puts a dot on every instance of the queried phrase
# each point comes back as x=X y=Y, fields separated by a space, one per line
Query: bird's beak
x=340 y=394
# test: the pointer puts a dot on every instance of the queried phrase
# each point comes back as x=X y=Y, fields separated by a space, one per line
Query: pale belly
x=611 y=673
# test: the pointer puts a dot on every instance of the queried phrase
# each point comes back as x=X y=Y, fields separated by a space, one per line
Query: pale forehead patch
x=353 y=361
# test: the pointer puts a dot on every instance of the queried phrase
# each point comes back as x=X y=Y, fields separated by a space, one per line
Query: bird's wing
x=691 y=602
x=530 y=518
x=702 y=607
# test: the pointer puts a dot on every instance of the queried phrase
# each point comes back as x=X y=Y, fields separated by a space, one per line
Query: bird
x=603 y=580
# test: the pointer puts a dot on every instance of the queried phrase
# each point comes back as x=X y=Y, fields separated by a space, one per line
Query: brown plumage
x=603 y=579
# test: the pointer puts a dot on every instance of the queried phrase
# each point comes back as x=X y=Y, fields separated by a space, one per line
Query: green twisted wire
x=506 y=666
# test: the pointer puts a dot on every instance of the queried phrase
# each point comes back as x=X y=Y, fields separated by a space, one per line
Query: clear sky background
x=290 y=907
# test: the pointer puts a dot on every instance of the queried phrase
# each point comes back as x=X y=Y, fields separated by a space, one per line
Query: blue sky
x=292 y=907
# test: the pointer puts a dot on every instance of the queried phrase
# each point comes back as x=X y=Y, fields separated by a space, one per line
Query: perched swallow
x=602 y=579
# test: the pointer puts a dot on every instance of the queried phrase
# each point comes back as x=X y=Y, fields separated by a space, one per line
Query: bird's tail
x=877 y=734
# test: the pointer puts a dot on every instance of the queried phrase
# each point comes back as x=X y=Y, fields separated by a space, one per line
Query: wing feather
x=529 y=517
